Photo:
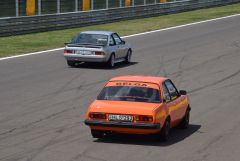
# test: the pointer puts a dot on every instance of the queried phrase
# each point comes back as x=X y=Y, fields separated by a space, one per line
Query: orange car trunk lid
x=123 y=107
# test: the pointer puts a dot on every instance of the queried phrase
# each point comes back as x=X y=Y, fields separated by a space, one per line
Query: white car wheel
x=129 y=56
x=111 y=61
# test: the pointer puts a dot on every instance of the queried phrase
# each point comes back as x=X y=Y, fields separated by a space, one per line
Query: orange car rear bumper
x=124 y=127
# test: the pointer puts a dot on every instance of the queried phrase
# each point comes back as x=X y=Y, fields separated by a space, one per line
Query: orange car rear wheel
x=97 y=133
x=164 y=133
x=185 y=121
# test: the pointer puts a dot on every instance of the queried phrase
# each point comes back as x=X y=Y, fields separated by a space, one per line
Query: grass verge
x=15 y=45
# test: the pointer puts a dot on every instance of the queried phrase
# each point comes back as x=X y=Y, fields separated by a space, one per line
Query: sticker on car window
x=138 y=84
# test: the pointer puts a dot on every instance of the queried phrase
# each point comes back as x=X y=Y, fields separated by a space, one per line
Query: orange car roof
x=139 y=78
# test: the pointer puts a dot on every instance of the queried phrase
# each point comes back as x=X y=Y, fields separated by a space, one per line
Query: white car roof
x=98 y=32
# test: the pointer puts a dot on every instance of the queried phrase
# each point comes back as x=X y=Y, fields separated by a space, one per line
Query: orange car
x=138 y=105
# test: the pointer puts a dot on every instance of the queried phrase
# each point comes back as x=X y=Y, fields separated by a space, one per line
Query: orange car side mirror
x=182 y=92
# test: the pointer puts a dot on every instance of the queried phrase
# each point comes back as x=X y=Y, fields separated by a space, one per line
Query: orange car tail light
x=97 y=115
x=144 y=118
x=68 y=51
x=99 y=53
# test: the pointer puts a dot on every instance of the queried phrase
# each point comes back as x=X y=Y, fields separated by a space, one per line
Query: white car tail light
x=99 y=53
x=68 y=51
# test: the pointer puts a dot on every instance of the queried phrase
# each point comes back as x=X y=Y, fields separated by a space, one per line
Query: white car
x=97 y=46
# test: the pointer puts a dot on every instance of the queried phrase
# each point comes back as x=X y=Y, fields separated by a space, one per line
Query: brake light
x=68 y=51
x=97 y=115
x=144 y=118
x=99 y=53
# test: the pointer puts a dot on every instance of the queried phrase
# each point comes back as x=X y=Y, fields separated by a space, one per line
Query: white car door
x=120 y=46
x=113 y=46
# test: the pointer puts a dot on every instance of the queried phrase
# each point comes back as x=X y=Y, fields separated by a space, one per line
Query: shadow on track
x=176 y=136
x=103 y=66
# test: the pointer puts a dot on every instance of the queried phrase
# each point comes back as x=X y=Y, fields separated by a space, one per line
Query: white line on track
x=143 y=33
x=35 y=53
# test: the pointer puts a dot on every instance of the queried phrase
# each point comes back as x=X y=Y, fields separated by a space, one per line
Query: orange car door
x=176 y=106
x=184 y=105
x=179 y=108
x=170 y=105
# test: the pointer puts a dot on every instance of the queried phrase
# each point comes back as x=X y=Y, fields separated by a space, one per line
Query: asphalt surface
x=43 y=102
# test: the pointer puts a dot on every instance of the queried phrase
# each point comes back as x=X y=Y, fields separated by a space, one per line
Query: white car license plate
x=120 y=118
x=83 y=52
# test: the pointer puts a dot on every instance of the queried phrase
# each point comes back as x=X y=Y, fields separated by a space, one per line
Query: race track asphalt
x=43 y=102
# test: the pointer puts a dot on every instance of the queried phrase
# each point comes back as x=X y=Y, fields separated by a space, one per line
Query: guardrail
x=30 y=24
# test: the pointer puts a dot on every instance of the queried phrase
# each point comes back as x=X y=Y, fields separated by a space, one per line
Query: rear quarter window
x=172 y=90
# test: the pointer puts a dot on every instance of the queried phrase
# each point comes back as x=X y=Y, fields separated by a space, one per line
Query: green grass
x=15 y=45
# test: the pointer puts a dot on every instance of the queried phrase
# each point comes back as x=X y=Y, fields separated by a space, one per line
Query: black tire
x=111 y=61
x=164 y=133
x=185 y=121
x=97 y=133
x=71 y=63
x=128 y=56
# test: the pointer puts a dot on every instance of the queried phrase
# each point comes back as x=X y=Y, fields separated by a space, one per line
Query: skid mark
x=215 y=83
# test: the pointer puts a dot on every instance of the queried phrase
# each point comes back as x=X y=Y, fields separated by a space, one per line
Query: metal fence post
x=39 y=7
x=106 y=4
x=133 y=3
x=58 y=6
x=120 y=3
x=144 y=2
x=76 y=5
x=17 y=8
x=92 y=4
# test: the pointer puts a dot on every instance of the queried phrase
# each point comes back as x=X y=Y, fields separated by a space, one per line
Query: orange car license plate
x=120 y=118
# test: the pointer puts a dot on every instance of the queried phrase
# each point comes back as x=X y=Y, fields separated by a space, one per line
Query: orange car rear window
x=138 y=84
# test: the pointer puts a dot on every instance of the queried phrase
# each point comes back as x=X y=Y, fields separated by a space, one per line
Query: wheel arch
x=167 y=118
